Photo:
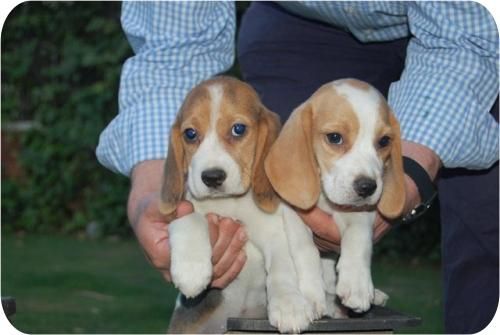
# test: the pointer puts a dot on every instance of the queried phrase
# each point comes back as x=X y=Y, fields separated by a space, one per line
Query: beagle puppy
x=341 y=151
x=216 y=160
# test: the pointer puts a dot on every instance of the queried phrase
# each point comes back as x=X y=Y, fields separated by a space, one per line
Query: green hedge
x=60 y=68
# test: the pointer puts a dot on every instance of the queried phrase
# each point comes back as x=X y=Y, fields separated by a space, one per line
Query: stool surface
x=376 y=319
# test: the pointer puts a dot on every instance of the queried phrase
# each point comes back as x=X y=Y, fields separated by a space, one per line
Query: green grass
x=414 y=288
x=67 y=285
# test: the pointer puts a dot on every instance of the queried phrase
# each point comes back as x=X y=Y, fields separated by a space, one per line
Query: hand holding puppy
x=150 y=226
x=327 y=236
x=326 y=232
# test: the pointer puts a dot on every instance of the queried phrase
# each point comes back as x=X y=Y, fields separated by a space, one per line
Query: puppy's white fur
x=362 y=159
x=293 y=299
x=355 y=286
x=211 y=154
x=301 y=159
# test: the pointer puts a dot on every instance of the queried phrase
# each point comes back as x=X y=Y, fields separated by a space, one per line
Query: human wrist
x=146 y=179
x=424 y=156
x=146 y=176
x=412 y=195
x=421 y=166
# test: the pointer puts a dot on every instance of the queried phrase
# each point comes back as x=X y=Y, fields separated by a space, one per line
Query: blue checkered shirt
x=442 y=99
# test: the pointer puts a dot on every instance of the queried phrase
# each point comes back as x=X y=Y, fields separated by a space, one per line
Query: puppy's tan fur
x=239 y=104
x=294 y=161
x=308 y=169
x=268 y=283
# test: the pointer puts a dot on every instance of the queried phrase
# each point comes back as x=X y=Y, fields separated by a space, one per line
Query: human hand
x=150 y=226
x=327 y=234
x=228 y=238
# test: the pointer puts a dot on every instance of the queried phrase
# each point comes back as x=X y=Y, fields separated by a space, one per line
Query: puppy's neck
x=326 y=205
x=217 y=195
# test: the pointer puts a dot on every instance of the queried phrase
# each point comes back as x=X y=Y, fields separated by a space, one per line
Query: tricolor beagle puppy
x=341 y=151
x=216 y=160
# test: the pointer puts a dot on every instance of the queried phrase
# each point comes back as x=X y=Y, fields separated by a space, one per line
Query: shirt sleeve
x=450 y=83
x=176 y=45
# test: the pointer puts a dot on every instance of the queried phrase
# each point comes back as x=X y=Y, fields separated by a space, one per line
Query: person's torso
x=368 y=20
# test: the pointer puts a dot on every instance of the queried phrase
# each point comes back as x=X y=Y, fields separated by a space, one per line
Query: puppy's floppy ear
x=172 y=190
x=291 y=165
x=393 y=196
x=263 y=192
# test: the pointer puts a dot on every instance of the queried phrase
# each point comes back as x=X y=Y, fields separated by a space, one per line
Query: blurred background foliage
x=61 y=63
x=60 y=72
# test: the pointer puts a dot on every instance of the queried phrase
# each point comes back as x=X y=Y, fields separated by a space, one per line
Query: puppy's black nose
x=365 y=187
x=213 y=177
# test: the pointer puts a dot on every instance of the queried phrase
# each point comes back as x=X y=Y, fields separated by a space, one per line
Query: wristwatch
x=426 y=189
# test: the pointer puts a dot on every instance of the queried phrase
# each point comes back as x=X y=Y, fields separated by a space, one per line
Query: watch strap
x=422 y=180
x=425 y=187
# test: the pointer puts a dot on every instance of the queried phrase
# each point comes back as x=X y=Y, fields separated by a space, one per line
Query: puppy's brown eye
x=335 y=138
x=384 y=141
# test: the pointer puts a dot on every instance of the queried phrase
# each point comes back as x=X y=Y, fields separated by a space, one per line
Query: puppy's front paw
x=191 y=277
x=314 y=293
x=355 y=289
x=190 y=254
x=289 y=312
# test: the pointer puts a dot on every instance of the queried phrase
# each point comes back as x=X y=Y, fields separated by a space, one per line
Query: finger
x=227 y=228
x=325 y=245
x=153 y=237
x=184 y=208
x=232 y=272
x=230 y=254
x=213 y=227
x=148 y=209
x=322 y=224
x=166 y=275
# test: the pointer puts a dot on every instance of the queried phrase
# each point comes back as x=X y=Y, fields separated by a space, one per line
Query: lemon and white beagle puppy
x=341 y=150
x=216 y=160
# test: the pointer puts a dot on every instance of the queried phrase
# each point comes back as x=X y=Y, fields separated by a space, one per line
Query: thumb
x=184 y=208
x=321 y=223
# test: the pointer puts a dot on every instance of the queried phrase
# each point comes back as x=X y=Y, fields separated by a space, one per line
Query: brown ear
x=393 y=195
x=172 y=190
x=263 y=192
x=290 y=165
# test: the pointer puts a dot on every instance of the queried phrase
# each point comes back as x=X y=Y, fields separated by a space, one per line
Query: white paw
x=191 y=277
x=379 y=298
x=334 y=309
x=289 y=312
x=190 y=254
x=314 y=293
x=329 y=274
x=355 y=289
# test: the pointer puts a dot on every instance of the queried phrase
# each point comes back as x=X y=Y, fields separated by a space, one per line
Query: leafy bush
x=60 y=68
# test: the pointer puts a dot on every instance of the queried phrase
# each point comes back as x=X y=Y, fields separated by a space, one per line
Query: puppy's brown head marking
x=344 y=141
x=222 y=126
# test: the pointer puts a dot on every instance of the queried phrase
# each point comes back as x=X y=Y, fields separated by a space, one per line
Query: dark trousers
x=286 y=58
